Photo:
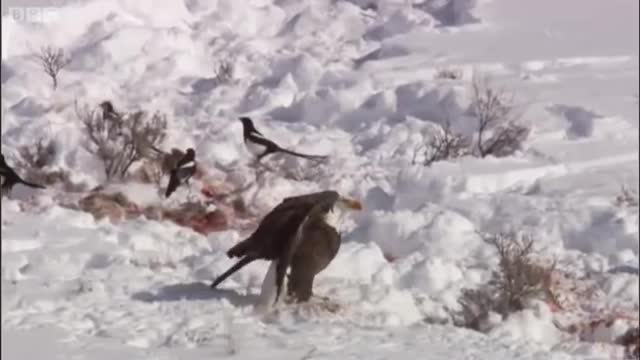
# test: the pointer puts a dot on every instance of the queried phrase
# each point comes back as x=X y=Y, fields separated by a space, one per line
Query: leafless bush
x=312 y=174
x=518 y=279
x=121 y=140
x=627 y=197
x=223 y=72
x=442 y=145
x=156 y=164
x=449 y=74
x=149 y=172
x=53 y=60
x=39 y=154
x=477 y=305
x=496 y=112
x=35 y=163
x=498 y=132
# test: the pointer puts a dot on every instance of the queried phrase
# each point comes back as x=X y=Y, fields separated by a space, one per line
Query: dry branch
x=121 y=140
x=495 y=111
x=53 y=60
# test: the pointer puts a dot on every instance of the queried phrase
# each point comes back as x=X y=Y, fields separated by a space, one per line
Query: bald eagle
x=302 y=232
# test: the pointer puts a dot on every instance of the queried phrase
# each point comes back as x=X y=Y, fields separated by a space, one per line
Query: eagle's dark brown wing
x=280 y=232
x=268 y=242
x=280 y=224
x=313 y=199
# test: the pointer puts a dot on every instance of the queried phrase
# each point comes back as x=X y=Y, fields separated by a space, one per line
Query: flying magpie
x=182 y=171
x=10 y=178
x=260 y=146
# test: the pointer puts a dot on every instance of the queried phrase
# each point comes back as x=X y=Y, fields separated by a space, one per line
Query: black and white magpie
x=182 y=172
x=10 y=178
x=260 y=146
x=108 y=112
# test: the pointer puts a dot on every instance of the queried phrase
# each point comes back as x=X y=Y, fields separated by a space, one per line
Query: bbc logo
x=25 y=15
x=34 y=14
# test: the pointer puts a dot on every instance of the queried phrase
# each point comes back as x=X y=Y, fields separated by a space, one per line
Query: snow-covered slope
x=359 y=80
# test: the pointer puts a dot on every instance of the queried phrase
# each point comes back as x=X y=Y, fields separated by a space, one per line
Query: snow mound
x=366 y=82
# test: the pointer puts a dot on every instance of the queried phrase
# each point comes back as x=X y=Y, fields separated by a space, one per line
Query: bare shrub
x=442 y=145
x=39 y=154
x=223 y=72
x=449 y=74
x=149 y=172
x=496 y=113
x=121 y=140
x=35 y=162
x=627 y=197
x=498 y=131
x=313 y=174
x=156 y=164
x=53 y=60
x=519 y=278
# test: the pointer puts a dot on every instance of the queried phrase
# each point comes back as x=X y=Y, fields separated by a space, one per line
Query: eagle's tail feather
x=33 y=185
x=237 y=266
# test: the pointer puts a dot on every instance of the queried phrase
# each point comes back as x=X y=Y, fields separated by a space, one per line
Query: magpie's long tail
x=306 y=156
x=237 y=266
x=30 y=184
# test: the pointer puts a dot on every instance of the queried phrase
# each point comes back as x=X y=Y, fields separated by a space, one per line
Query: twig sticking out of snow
x=36 y=160
x=309 y=353
x=498 y=132
x=121 y=140
x=224 y=72
x=53 y=60
x=495 y=111
x=627 y=197
x=442 y=145
x=518 y=279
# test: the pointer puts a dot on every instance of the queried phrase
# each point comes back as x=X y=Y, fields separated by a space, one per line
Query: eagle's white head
x=335 y=216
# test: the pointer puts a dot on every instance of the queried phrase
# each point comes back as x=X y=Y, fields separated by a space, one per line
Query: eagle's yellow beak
x=353 y=204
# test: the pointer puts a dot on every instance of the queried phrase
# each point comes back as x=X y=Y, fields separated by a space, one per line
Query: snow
x=357 y=80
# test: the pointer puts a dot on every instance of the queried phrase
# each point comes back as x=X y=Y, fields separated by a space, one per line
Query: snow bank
x=534 y=324
x=359 y=81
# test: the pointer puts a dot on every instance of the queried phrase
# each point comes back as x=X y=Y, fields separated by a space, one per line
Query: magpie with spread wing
x=182 y=171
